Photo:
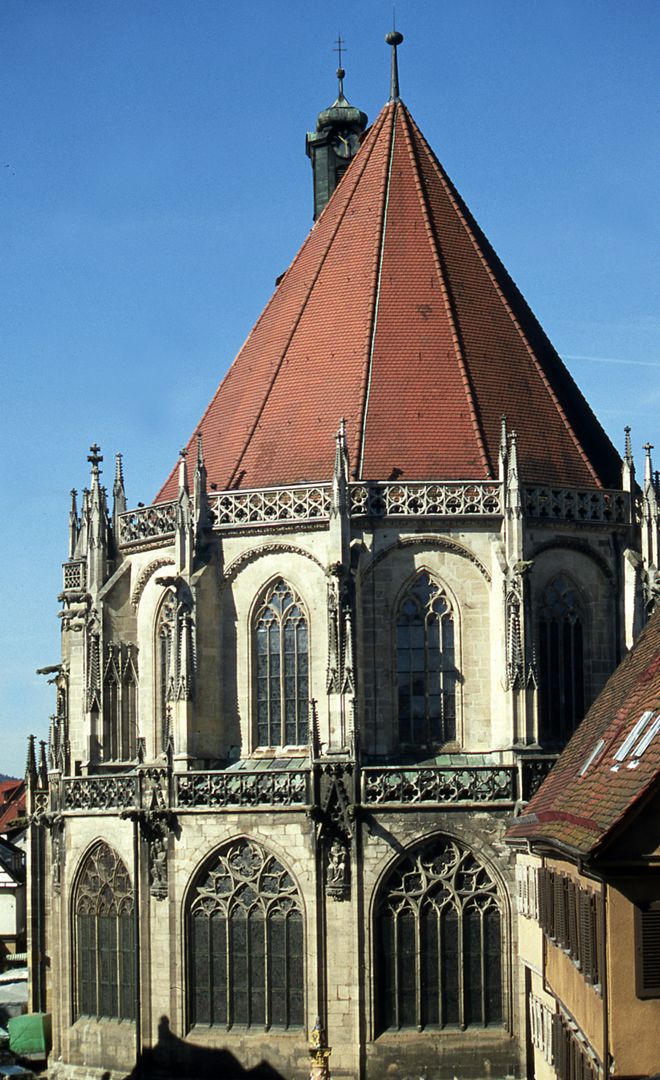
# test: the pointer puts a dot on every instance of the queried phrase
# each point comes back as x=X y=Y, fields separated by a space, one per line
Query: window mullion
x=228 y=1008
x=418 y=968
x=441 y=949
x=573 y=658
x=248 y=965
x=230 y=957
x=482 y=952
x=210 y=945
x=296 y=718
x=269 y=695
x=460 y=936
x=117 y=966
x=397 y=961
x=266 y=974
x=427 y=680
x=282 y=718
x=287 y=982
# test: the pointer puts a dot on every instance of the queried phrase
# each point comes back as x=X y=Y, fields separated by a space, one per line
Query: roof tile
x=582 y=810
x=397 y=315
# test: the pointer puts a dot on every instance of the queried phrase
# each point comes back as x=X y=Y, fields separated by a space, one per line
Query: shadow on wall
x=174 y=1059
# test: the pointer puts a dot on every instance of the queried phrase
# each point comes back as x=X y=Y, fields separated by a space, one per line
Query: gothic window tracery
x=425 y=664
x=282 y=668
x=245 y=942
x=561 y=661
x=120 y=704
x=439 y=942
x=104 y=937
x=164 y=676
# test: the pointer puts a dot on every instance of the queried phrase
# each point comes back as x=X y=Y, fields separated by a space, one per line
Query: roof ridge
x=372 y=136
x=458 y=208
x=445 y=289
x=303 y=306
x=390 y=108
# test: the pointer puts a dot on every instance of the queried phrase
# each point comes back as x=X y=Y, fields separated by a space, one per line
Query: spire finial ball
x=394 y=37
x=341 y=74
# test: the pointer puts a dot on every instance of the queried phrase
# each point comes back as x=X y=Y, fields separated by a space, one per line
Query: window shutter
x=559 y=897
x=547 y=902
x=599 y=944
x=572 y=935
x=647 y=943
x=586 y=937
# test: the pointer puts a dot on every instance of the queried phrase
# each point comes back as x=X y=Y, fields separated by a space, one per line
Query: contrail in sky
x=612 y=360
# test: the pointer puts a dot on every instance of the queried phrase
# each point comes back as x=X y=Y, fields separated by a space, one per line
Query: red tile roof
x=582 y=811
x=12 y=802
x=398 y=315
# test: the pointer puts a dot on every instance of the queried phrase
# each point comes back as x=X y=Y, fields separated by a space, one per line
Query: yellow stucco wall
x=567 y=982
x=634 y=1022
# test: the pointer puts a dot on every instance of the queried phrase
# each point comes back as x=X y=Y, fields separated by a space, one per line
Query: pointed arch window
x=164 y=676
x=561 y=661
x=282 y=668
x=245 y=942
x=425 y=664
x=104 y=937
x=120 y=703
x=439 y=942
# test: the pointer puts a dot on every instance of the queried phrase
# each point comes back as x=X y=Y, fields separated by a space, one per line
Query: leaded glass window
x=120 y=703
x=104 y=937
x=426 y=664
x=439 y=942
x=561 y=662
x=245 y=942
x=164 y=634
x=282 y=668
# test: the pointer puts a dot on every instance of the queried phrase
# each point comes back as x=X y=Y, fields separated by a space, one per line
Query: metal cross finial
x=95 y=457
x=340 y=48
x=648 y=447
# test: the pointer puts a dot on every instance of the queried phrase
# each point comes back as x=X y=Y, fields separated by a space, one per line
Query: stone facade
x=158 y=639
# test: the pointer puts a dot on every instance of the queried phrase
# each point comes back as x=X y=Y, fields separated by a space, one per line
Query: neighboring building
x=588 y=870
x=12 y=873
x=301 y=694
x=12 y=808
x=12 y=904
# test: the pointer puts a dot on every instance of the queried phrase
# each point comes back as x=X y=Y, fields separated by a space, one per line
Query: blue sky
x=153 y=183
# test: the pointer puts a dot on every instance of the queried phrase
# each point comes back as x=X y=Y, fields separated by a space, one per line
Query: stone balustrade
x=152 y=789
x=574 y=504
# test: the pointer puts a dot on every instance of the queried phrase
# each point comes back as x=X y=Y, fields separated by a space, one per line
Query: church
x=303 y=691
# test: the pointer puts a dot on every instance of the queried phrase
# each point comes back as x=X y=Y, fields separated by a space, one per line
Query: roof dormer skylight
x=637 y=741
x=595 y=753
x=644 y=742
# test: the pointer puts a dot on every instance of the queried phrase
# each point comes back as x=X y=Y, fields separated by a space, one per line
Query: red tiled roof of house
x=397 y=315
x=12 y=802
x=581 y=811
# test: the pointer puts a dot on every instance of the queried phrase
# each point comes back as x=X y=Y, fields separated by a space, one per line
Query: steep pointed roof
x=397 y=314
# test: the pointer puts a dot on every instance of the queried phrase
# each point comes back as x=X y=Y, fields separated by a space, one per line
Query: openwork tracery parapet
x=230 y=788
x=425 y=500
x=573 y=504
x=299 y=503
x=100 y=793
x=146 y=523
x=438 y=785
x=310 y=504
x=157 y=790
